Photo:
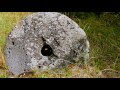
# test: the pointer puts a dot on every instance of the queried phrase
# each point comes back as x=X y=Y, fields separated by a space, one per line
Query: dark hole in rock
x=46 y=50
x=8 y=51
x=39 y=66
x=74 y=52
x=13 y=43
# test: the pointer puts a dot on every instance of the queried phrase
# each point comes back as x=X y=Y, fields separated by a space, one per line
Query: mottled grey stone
x=67 y=40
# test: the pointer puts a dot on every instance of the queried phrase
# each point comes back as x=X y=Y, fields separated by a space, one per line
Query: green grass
x=104 y=52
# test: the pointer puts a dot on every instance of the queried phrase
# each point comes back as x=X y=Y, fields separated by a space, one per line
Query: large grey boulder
x=43 y=41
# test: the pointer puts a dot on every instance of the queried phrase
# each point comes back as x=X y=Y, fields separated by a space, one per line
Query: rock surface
x=43 y=41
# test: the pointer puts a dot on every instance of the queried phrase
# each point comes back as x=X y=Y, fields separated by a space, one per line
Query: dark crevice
x=39 y=66
x=8 y=51
x=13 y=43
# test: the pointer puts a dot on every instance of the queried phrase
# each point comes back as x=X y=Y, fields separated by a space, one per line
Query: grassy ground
x=104 y=54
